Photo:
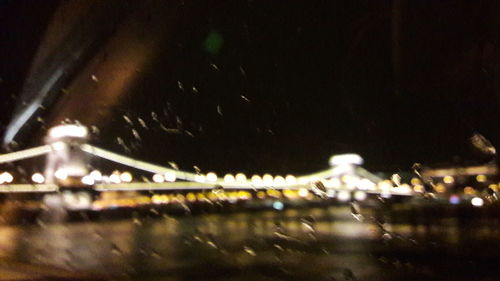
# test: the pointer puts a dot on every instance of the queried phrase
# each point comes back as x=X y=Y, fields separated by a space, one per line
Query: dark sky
x=277 y=85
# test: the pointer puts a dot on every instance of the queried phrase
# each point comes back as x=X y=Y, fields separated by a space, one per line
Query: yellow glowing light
x=493 y=187
x=70 y=130
x=385 y=185
x=191 y=197
x=469 y=190
x=415 y=181
x=170 y=176
x=37 y=178
x=241 y=178
x=481 y=178
x=211 y=177
x=419 y=188
x=158 y=178
x=360 y=195
x=126 y=177
x=261 y=194
x=448 y=180
x=440 y=188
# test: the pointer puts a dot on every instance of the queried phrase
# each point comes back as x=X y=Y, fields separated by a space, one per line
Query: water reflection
x=295 y=244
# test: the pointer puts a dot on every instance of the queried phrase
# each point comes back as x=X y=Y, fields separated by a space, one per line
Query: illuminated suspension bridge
x=66 y=151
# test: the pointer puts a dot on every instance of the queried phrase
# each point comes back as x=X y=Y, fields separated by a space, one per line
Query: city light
x=211 y=177
x=170 y=176
x=229 y=178
x=88 y=180
x=477 y=202
x=256 y=180
x=158 y=178
x=241 y=178
x=96 y=175
x=481 y=178
x=115 y=177
x=61 y=174
x=199 y=178
x=37 y=178
x=290 y=179
x=279 y=180
x=126 y=177
x=267 y=179
x=360 y=195
x=448 y=179
x=344 y=195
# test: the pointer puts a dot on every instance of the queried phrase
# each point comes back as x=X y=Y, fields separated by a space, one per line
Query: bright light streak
x=211 y=177
x=344 y=195
x=126 y=177
x=360 y=195
x=229 y=178
x=96 y=175
x=69 y=130
x=88 y=180
x=346 y=159
x=61 y=174
x=170 y=176
x=241 y=178
x=158 y=178
x=290 y=179
x=477 y=202
x=37 y=178
x=267 y=179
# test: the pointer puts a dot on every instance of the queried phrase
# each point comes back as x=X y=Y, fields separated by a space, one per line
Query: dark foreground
x=319 y=243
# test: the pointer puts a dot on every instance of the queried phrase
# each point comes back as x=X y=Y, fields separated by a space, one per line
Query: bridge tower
x=66 y=163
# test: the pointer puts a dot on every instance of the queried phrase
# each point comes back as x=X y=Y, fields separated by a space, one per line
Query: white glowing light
x=88 y=180
x=241 y=178
x=59 y=145
x=267 y=179
x=279 y=180
x=211 y=177
x=69 y=130
x=96 y=175
x=303 y=192
x=366 y=184
x=61 y=174
x=331 y=183
x=360 y=195
x=115 y=178
x=158 y=178
x=344 y=195
x=199 y=178
x=346 y=159
x=229 y=178
x=330 y=193
x=477 y=202
x=7 y=177
x=170 y=176
x=256 y=180
x=290 y=179
x=37 y=178
x=126 y=177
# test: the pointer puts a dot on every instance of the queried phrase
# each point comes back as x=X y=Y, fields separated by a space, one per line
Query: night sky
x=280 y=86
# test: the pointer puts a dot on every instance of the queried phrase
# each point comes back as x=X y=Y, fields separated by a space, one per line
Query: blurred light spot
x=344 y=195
x=448 y=179
x=481 y=178
x=126 y=177
x=88 y=180
x=213 y=43
x=158 y=178
x=360 y=195
x=96 y=175
x=170 y=176
x=277 y=205
x=61 y=174
x=477 y=202
x=229 y=178
x=37 y=178
x=469 y=190
x=211 y=177
x=454 y=199
x=241 y=178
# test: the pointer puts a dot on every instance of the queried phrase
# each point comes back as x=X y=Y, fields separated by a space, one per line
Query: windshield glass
x=249 y=140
